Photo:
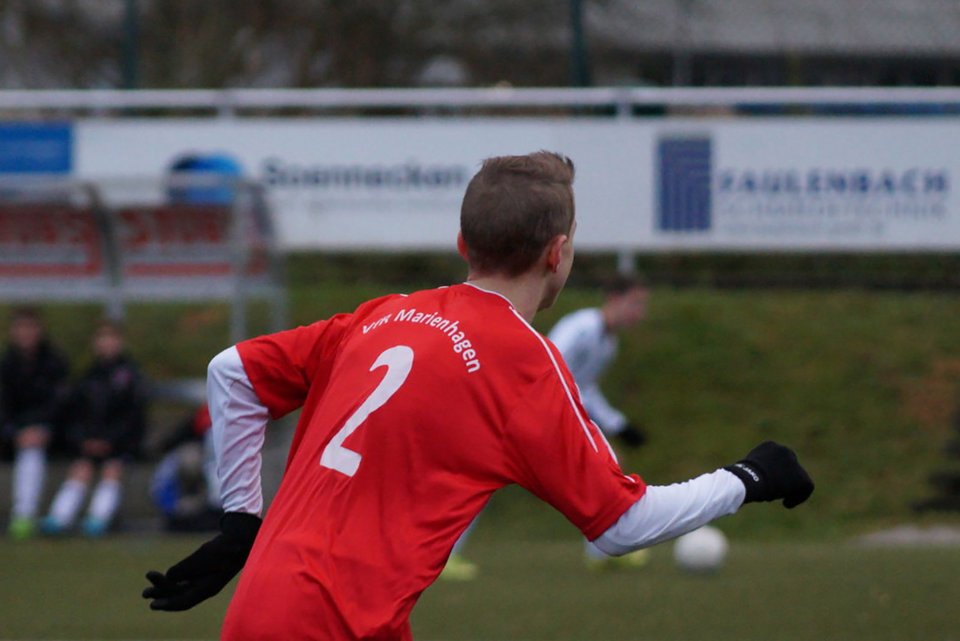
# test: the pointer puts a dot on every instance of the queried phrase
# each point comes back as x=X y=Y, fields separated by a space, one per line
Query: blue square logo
x=684 y=187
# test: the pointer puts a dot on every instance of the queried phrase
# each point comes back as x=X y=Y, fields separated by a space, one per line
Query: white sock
x=105 y=501
x=67 y=502
x=29 y=470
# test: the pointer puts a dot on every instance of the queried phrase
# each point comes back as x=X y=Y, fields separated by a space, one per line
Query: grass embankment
x=862 y=383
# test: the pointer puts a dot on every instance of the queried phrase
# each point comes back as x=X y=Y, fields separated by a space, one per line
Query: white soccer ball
x=702 y=550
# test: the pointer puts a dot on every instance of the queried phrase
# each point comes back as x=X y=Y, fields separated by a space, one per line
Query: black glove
x=770 y=472
x=205 y=572
x=632 y=436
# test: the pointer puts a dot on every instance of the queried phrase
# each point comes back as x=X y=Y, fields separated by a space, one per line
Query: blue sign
x=684 y=184
x=215 y=178
x=36 y=148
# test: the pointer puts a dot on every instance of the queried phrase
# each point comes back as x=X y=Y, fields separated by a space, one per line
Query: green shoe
x=632 y=561
x=459 y=569
x=21 y=528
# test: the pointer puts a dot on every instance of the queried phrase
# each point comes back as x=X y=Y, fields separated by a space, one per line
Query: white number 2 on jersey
x=398 y=361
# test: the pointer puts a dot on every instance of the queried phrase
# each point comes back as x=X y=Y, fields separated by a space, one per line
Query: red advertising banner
x=176 y=241
x=49 y=240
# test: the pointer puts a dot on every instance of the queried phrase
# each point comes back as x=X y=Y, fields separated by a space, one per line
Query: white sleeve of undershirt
x=239 y=425
x=667 y=511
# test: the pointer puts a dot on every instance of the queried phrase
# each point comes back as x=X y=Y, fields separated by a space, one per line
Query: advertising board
x=771 y=184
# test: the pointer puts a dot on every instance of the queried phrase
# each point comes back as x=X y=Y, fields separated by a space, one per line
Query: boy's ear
x=461 y=245
x=554 y=252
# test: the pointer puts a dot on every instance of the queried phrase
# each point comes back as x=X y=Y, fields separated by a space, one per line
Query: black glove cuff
x=240 y=527
x=632 y=436
x=752 y=480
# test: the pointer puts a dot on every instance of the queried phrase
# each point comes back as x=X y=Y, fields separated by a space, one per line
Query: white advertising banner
x=642 y=185
x=807 y=184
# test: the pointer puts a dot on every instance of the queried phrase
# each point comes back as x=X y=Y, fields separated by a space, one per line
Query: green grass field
x=532 y=590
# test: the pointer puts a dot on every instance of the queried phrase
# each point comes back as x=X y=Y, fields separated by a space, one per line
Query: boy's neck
x=524 y=292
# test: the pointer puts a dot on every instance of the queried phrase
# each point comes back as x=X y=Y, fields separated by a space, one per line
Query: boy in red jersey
x=415 y=409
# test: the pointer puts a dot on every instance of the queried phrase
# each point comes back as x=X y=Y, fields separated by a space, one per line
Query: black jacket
x=109 y=403
x=32 y=388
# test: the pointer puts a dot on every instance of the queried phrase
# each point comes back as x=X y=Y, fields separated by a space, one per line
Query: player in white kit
x=588 y=340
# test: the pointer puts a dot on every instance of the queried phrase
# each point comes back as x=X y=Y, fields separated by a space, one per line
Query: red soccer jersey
x=415 y=410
